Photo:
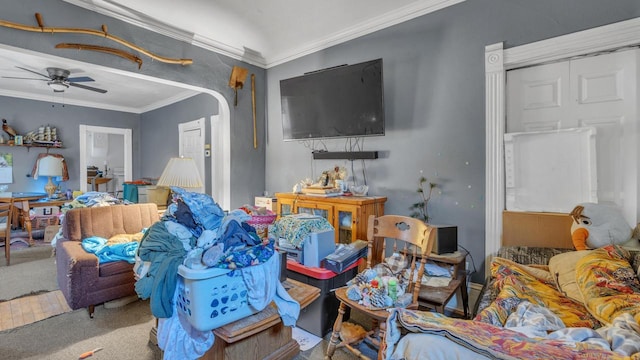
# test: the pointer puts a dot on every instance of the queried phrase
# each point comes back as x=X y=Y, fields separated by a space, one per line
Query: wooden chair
x=6 y=211
x=413 y=236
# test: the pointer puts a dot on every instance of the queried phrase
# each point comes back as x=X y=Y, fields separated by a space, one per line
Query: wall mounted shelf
x=29 y=146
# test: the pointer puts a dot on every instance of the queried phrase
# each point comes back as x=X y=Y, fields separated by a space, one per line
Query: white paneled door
x=596 y=91
x=191 y=143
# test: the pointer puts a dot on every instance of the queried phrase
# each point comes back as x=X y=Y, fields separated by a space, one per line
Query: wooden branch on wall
x=104 y=34
x=104 y=49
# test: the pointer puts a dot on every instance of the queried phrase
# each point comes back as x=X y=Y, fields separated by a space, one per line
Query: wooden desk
x=97 y=181
x=260 y=336
x=25 y=205
x=23 y=201
x=438 y=297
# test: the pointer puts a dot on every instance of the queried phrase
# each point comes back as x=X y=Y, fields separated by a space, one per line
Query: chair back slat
x=416 y=237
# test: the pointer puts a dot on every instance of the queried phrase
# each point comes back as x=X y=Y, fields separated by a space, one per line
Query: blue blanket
x=109 y=253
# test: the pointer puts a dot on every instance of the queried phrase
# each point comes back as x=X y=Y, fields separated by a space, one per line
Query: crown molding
x=105 y=7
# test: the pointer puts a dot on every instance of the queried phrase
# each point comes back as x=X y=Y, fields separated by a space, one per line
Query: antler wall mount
x=103 y=34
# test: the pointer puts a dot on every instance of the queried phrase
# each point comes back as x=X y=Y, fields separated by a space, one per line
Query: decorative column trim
x=494 y=150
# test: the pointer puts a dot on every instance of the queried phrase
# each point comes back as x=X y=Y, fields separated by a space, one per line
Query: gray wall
x=27 y=115
x=434 y=96
x=434 y=99
x=160 y=135
x=209 y=70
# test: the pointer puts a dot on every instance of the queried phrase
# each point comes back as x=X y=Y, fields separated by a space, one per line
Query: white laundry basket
x=212 y=297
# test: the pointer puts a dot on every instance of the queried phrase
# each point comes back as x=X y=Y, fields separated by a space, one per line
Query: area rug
x=29 y=309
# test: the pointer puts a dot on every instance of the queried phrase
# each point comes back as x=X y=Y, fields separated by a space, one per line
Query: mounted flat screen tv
x=344 y=101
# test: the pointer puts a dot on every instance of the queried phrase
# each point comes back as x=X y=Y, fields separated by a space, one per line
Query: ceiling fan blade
x=80 y=79
x=35 y=72
x=21 y=78
x=87 y=87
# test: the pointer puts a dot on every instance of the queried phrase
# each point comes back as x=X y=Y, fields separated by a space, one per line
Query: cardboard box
x=536 y=229
x=266 y=202
x=50 y=231
x=158 y=195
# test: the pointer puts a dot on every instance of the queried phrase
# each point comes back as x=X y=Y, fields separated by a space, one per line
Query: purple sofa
x=83 y=281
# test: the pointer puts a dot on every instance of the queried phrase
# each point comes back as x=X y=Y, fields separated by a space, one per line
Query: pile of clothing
x=195 y=232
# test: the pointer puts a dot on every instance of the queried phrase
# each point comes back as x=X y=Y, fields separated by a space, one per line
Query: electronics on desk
x=315 y=247
x=345 y=256
x=446 y=239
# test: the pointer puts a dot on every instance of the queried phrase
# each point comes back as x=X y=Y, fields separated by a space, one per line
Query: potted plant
x=420 y=210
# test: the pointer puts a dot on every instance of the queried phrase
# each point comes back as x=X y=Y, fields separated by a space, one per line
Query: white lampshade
x=50 y=166
x=181 y=172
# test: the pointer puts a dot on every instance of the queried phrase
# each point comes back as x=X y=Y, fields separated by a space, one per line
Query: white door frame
x=219 y=165
x=128 y=152
x=497 y=61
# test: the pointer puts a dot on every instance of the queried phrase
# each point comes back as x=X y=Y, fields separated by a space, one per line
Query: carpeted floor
x=32 y=270
x=122 y=332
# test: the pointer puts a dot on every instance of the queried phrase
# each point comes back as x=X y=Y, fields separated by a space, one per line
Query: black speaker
x=446 y=239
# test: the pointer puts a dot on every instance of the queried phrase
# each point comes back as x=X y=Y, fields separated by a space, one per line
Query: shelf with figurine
x=43 y=137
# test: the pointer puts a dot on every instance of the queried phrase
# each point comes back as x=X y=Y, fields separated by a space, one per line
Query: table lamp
x=50 y=166
x=181 y=172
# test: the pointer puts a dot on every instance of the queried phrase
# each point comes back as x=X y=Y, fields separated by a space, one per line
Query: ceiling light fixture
x=58 y=86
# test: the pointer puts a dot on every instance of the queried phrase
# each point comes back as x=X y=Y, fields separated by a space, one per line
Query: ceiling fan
x=59 y=80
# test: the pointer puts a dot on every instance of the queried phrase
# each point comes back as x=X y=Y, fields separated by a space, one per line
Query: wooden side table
x=438 y=297
x=96 y=181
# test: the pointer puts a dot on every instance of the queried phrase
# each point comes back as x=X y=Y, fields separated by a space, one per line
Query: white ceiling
x=264 y=33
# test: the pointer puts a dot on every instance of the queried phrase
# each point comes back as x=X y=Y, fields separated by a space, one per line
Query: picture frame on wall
x=17 y=140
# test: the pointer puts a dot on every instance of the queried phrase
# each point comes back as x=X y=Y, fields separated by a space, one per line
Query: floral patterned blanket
x=502 y=343
x=531 y=319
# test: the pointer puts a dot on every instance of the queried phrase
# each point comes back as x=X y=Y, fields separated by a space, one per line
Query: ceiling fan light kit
x=57 y=85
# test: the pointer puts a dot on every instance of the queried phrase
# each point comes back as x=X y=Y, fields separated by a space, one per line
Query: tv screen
x=345 y=101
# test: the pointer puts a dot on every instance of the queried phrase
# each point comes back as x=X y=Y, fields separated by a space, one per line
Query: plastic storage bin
x=212 y=297
x=319 y=316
